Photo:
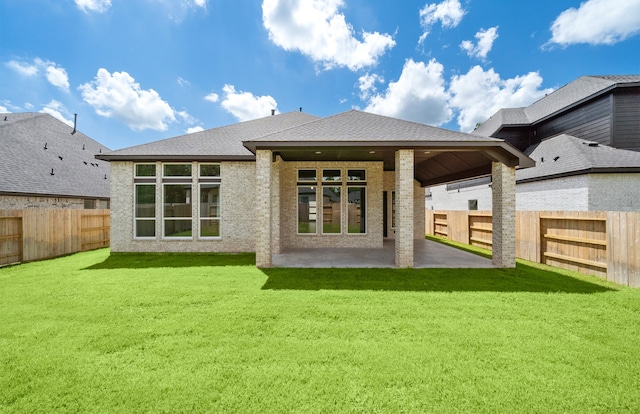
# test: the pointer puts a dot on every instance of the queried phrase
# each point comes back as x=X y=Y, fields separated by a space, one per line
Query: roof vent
x=593 y=144
x=75 y=121
x=6 y=119
x=556 y=158
x=273 y=112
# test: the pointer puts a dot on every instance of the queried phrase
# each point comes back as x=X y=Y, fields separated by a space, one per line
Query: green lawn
x=211 y=333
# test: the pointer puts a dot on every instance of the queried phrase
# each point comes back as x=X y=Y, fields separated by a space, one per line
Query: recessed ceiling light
x=427 y=152
x=318 y=152
x=372 y=152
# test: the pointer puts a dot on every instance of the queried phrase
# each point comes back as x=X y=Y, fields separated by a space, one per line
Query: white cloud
x=449 y=13
x=367 y=85
x=245 y=106
x=597 y=22
x=419 y=95
x=99 y=6
x=183 y=82
x=200 y=3
x=194 y=129
x=23 y=69
x=55 y=109
x=484 y=45
x=317 y=30
x=212 y=97
x=478 y=94
x=58 y=77
x=119 y=96
x=4 y=110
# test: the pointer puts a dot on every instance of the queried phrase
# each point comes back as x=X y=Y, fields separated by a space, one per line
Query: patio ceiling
x=433 y=164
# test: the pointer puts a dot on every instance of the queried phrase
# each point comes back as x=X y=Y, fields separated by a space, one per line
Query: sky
x=136 y=71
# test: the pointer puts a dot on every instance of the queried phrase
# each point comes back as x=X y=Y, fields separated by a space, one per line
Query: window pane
x=146 y=200
x=177 y=170
x=145 y=170
x=307 y=175
x=145 y=228
x=393 y=209
x=356 y=175
x=307 y=210
x=331 y=203
x=210 y=228
x=177 y=228
x=209 y=200
x=209 y=170
x=177 y=200
x=331 y=175
x=357 y=210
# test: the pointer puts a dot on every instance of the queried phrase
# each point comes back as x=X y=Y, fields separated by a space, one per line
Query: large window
x=177 y=201
x=339 y=193
x=145 y=211
x=209 y=210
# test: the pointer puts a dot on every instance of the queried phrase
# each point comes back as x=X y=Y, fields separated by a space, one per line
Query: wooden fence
x=605 y=244
x=34 y=234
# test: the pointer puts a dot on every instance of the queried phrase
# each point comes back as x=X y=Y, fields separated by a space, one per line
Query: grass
x=211 y=333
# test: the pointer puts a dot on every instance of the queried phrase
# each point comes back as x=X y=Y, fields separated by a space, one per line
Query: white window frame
x=190 y=218
x=177 y=176
x=200 y=218
x=136 y=219
x=313 y=185
x=366 y=204
x=208 y=163
x=135 y=173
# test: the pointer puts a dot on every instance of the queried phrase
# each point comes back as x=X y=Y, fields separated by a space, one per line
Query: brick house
x=45 y=163
x=296 y=180
x=585 y=140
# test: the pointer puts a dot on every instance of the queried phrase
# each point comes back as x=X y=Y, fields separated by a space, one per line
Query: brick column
x=504 y=215
x=404 y=208
x=263 y=208
x=276 y=173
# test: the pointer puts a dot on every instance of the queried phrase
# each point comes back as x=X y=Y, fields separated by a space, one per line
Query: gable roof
x=26 y=166
x=565 y=155
x=572 y=94
x=222 y=143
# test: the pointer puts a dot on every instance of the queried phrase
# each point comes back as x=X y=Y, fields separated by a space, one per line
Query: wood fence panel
x=623 y=241
x=428 y=222
x=440 y=226
x=10 y=236
x=528 y=235
x=480 y=229
x=458 y=224
x=95 y=225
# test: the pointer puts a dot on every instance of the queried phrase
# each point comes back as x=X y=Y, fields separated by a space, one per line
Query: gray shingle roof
x=218 y=143
x=25 y=164
x=357 y=126
x=574 y=93
x=568 y=155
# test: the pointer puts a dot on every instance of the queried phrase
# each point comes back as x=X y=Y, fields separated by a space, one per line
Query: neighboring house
x=44 y=163
x=585 y=139
x=295 y=180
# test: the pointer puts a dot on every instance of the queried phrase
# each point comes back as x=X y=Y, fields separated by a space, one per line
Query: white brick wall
x=593 y=192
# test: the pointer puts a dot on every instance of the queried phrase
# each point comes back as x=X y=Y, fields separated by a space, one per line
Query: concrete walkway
x=426 y=253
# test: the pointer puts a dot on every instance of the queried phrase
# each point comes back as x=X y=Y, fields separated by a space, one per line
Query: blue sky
x=136 y=71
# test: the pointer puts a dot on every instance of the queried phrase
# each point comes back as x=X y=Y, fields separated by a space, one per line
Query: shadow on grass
x=152 y=260
x=521 y=279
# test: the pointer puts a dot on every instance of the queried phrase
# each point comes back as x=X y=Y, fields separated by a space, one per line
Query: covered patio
x=426 y=254
x=417 y=155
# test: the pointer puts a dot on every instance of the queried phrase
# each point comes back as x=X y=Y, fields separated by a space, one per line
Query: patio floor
x=426 y=253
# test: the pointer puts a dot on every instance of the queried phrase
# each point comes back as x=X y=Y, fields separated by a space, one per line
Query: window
x=393 y=209
x=473 y=204
x=356 y=217
x=145 y=170
x=209 y=170
x=307 y=210
x=90 y=204
x=331 y=210
x=177 y=210
x=145 y=211
x=338 y=195
x=209 y=210
x=176 y=170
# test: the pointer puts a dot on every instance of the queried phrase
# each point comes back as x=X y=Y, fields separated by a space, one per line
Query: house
x=585 y=139
x=44 y=163
x=295 y=180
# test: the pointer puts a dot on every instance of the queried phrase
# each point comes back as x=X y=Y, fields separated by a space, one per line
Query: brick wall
x=237 y=212
x=11 y=202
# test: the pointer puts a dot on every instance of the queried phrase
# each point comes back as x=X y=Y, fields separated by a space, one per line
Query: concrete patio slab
x=427 y=254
